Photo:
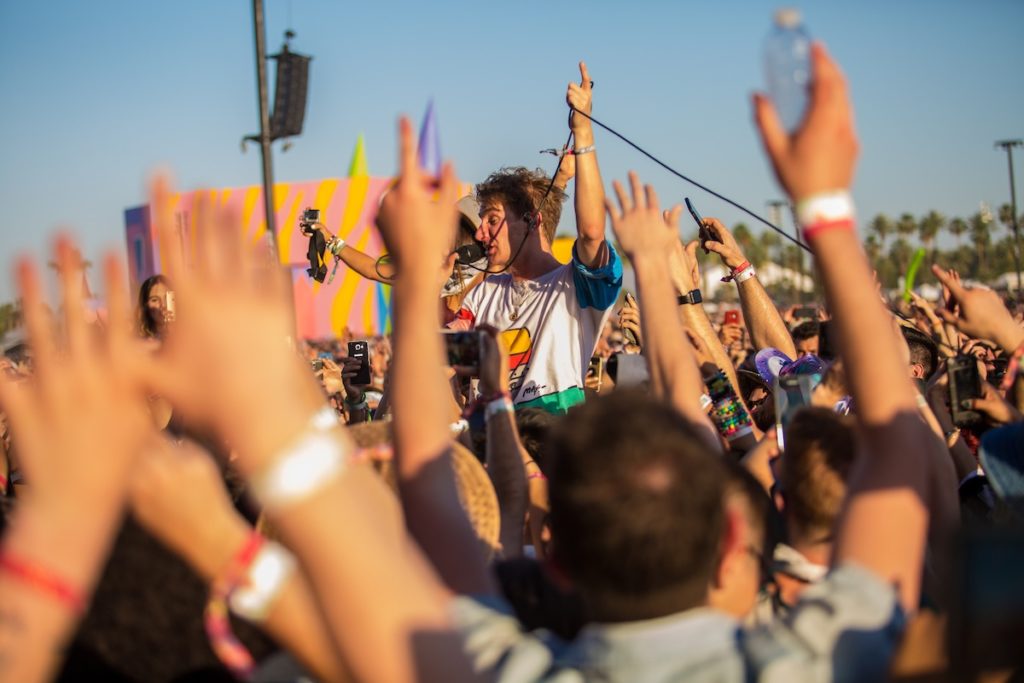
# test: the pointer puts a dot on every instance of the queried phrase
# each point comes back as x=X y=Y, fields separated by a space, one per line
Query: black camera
x=309 y=217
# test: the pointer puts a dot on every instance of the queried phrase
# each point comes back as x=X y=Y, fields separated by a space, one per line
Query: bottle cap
x=787 y=17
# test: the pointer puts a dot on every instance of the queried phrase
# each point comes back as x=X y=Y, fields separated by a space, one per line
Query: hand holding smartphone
x=463 y=350
x=360 y=350
x=703 y=232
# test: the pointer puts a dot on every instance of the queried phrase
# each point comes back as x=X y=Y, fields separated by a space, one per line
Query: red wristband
x=44 y=581
x=813 y=230
x=736 y=271
x=231 y=652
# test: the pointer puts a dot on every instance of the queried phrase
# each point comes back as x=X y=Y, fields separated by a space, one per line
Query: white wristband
x=459 y=427
x=498 y=405
x=744 y=275
x=262 y=583
x=313 y=460
x=336 y=245
x=825 y=207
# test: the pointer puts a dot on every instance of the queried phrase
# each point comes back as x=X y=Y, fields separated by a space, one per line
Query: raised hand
x=820 y=156
x=638 y=223
x=580 y=98
x=728 y=249
x=79 y=424
x=227 y=361
x=982 y=314
x=418 y=218
x=81 y=420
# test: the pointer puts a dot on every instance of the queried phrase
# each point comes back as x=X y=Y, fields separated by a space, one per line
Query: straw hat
x=476 y=493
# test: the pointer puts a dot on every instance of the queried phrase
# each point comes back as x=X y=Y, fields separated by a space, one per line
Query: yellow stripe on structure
x=357 y=189
x=286 y=232
x=249 y=207
x=175 y=203
x=280 y=193
x=342 y=304
x=369 y=306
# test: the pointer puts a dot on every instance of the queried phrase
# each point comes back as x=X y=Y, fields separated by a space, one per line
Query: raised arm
x=589 y=200
x=647 y=239
x=377 y=269
x=418 y=233
x=764 y=323
x=886 y=521
x=323 y=503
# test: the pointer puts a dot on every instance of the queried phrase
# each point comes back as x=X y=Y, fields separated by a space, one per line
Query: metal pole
x=1008 y=145
x=265 y=153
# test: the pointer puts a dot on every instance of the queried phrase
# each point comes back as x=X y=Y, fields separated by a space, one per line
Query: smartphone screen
x=361 y=351
x=792 y=392
x=964 y=385
x=463 y=349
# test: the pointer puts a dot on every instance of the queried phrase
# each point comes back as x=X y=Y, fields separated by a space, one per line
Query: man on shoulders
x=550 y=314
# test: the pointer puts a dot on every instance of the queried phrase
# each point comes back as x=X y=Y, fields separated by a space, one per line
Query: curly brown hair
x=520 y=191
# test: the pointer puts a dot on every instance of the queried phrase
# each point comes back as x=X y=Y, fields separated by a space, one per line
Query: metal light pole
x=264 y=137
x=1008 y=145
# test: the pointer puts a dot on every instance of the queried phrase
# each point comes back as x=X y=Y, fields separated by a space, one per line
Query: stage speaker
x=290 y=87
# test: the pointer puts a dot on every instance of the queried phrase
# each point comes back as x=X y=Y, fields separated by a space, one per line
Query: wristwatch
x=691 y=297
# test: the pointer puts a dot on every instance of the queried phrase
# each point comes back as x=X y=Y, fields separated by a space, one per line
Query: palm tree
x=1006 y=217
x=957 y=227
x=901 y=252
x=928 y=230
x=906 y=226
x=770 y=240
x=882 y=227
x=873 y=250
x=748 y=244
x=981 y=237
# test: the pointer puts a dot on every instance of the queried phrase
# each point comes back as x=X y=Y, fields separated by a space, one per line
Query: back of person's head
x=636 y=507
x=924 y=352
x=534 y=425
x=520 y=191
x=813 y=471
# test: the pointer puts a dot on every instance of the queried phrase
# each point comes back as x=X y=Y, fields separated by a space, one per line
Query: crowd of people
x=537 y=476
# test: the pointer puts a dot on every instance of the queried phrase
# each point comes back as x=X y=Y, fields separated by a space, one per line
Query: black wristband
x=691 y=297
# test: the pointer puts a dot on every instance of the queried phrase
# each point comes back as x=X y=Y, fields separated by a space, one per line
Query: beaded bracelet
x=727 y=412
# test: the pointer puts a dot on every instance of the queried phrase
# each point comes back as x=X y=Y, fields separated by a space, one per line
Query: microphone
x=469 y=253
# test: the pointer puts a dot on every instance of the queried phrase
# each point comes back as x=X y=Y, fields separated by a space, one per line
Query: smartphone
x=318 y=364
x=596 y=367
x=463 y=349
x=792 y=392
x=732 y=317
x=805 y=313
x=169 y=302
x=361 y=351
x=964 y=385
x=703 y=232
x=627 y=334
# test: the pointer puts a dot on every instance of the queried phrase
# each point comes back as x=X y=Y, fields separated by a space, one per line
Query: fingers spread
x=624 y=202
x=38 y=323
x=71 y=276
x=637 y=189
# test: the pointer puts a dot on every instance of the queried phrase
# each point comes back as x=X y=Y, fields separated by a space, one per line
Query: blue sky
x=98 y=94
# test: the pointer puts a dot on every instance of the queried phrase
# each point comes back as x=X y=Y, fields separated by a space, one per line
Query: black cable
x=694 y=182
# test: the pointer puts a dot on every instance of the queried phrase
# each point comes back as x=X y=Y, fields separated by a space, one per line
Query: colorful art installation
x=348 y=207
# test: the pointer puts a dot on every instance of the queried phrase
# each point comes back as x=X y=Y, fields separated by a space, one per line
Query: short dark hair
x=534 y=425
x=636 y=507
x=520 y=191
x=923 y=350
x=814 y=469
x=806 y=330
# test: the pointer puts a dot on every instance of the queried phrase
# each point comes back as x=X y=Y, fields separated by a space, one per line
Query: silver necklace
x=520 y=290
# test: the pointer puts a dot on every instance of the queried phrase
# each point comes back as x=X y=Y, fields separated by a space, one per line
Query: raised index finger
x=407 y=166
x=584 y=76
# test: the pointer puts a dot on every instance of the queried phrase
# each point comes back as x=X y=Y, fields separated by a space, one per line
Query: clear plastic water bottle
x=787 y=66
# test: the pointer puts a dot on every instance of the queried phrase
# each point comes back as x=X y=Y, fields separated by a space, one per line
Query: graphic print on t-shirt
x=519 y=344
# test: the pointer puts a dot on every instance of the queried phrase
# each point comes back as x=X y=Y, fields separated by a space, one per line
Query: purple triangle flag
x=429 y=151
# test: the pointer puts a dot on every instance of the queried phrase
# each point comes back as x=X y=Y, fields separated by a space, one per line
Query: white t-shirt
x=550 y=325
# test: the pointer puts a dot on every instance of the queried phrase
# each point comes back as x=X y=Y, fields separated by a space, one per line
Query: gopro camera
x=309 y=217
